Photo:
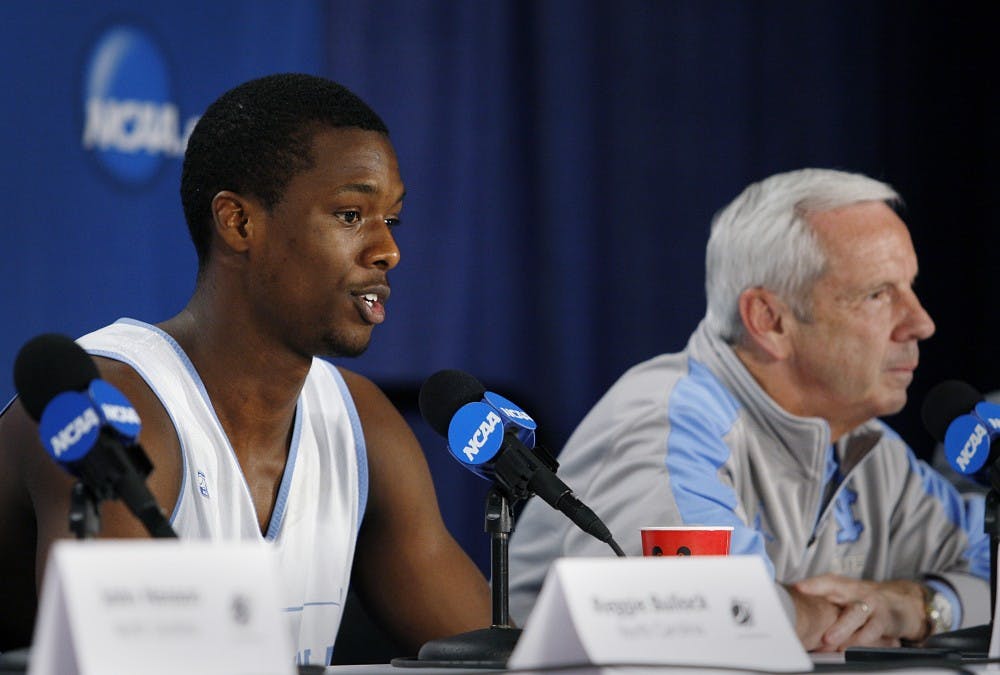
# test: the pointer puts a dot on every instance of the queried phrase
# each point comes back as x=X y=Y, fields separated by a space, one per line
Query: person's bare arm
x=18 y=563
x=411 y=574
x=35 y=497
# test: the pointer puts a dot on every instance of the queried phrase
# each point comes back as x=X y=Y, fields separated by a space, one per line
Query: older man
x=767 y=422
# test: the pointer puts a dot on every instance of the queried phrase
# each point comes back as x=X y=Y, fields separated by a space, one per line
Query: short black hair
x=254 y=138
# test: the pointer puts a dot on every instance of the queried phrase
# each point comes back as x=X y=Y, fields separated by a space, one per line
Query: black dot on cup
x=683 y=550
x=657 y=550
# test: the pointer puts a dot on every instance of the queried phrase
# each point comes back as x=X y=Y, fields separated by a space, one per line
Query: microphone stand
x=499 y=524
x=486 y=647
x=119 y=474
x=84 y=511
x=975 y=640
x=991 y=524
x=980 y=635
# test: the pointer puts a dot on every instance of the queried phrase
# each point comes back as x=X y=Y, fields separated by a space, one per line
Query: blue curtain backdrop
x=562 y=158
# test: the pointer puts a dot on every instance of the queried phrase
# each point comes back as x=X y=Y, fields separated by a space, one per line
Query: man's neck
x=771 y=375
x=253 y=386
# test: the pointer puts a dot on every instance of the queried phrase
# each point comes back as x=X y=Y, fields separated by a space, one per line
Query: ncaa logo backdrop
x=130 y=120
x=101 y=99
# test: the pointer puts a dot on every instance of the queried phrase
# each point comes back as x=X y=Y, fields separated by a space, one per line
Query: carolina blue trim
x=830 y=472
x=318 y=603
x=841 y=507
x=978 y=550
x=966 y=513
x=9 y=404
x=278 y=514
x=359 y=443
x=701 y=412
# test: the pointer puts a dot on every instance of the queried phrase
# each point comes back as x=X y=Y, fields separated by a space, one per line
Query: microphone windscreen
x=946 y=401
x=443 y=393
x=48 y=365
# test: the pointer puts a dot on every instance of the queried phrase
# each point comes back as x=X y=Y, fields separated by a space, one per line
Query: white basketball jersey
x=316 y=516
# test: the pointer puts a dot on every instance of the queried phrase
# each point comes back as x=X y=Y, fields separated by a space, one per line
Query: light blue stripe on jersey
x=281 y=501
x=359 y=443
x=701 y=413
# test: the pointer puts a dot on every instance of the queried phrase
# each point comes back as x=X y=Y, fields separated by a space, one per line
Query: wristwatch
x=938 y=610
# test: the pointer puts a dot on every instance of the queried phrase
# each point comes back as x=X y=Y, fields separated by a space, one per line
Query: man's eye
x=349 y=217
x=393 y=222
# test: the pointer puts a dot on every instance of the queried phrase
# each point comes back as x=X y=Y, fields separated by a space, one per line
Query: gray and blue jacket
x=692 y=439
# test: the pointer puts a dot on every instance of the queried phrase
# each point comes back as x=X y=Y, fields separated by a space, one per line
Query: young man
x=767 y=422
x=291 y=190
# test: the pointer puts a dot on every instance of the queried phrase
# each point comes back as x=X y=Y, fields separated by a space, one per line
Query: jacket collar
x=803 y=439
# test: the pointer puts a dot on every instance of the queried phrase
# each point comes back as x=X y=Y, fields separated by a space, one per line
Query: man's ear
x=231 y=218
x=766 y=321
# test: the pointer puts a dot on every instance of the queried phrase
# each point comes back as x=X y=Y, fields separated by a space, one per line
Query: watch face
x=940 y=612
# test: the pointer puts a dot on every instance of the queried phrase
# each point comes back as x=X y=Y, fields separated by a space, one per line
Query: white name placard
x=671 y=611
x=160 y=607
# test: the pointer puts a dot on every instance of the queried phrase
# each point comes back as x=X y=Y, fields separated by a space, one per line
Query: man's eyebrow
x=364 y=188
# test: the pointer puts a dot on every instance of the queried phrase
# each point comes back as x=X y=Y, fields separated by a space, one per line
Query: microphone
x=495 y=439
x=956 y=415
x=86 y=425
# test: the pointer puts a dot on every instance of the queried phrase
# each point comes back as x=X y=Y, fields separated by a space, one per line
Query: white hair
x=763 y=239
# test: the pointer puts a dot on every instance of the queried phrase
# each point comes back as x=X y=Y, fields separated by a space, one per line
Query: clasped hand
x=834 y=612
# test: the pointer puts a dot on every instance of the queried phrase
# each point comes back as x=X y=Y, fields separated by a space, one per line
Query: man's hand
x=814 y=615
x=871 y=613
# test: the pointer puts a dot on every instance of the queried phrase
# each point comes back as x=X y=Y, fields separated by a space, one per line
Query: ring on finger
x=863 y=606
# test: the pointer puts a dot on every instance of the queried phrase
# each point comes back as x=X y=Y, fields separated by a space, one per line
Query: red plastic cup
x=686 y=540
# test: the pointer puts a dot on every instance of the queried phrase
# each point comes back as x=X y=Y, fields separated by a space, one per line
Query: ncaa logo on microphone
x=967 y=443
x=513 y=417
x=475 y=433
x=509 y=410
x=131 y=125
x=69 y=426
x=115 y=408
x=989 y=413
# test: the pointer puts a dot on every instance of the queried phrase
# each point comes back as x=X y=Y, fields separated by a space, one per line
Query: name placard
x=160 y=607
x=671 y=611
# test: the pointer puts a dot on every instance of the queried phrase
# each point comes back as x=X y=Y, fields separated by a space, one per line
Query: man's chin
x=892 y=403
x=343 y=348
